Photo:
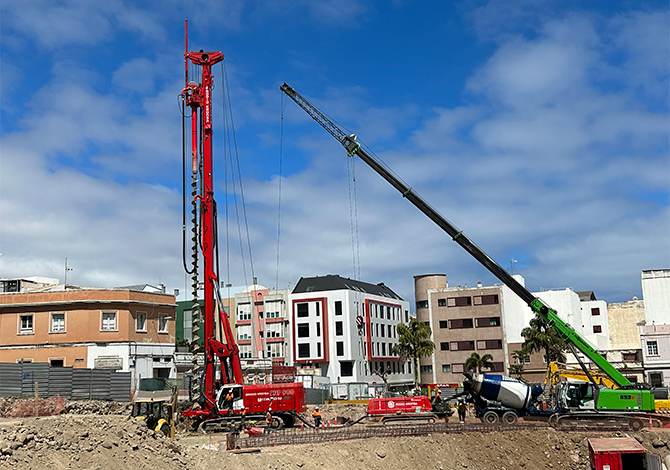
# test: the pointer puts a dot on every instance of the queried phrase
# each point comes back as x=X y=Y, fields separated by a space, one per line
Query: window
x=443 y=324
x=462 y=345
x=489 y=344
x=109 y=321
x=422 y=304
x=141 y=322
x=338 y=328
x=460 y=323
x=318 y=329
x=340 y=348
x=489 y=321
x=597 y=329
x=487 y=299
x=441 y=302
x=244 y=332
x=303 y=310
x=338 y=307
x=406 y=316
x=382 y=331
x=383 y=349
x=388 y=313
x=656 y=378
x=56 y=362
x=26 y=324
x=446 y=367
x=57 y=323
x=318 y=308
x=303 y=330
x=652 y=348
x=318 y=349
x=523 y=360
x=459 y=301
x=629 y=357
x=303 y=350
x=163 y=323
x=426 y=369
x=244 y=312
x=390 y=332
x=595 y=311
x=444 y=346
x=346 y=368
x=377 y=329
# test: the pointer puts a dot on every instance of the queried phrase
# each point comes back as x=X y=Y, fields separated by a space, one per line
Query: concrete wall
x=623 y=318
x=656 y=295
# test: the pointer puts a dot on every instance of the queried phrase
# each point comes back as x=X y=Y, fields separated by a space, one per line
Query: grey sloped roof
x=335 y=282
x=586 y=295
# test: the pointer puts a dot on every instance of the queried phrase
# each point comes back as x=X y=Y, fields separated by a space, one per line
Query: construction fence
x=24 y=379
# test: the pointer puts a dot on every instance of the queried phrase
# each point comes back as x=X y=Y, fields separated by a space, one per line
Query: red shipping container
x=621 y=453
x=398 y=405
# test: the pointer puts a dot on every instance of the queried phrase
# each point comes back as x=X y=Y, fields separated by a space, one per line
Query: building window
x=488 y=321
x=422 y=304
x=444 y=346
x=656 y=379
x=652 y=348
x=460 y=323
x=487 y=299
x=443 y=324
x=303 y=310
x=441 y=302
x=340 y=348
x=462 y=345
x=303 y=330
x=318 y=329
x=390 y=332
x=318 y=308
x=523 y=360
x=426 y=369
x=383 y=349
x=346 y=368
x=108 y=321
x=597 y=329
x=57 y=362
x=595 y=311
x=163 y=323
x=629 y=357
x=406 y=316
x=459 y=301
x=26 y=324
x=318 y=349
x=57 y=323
x=388 y=313
x=382 y=331
x=339 y=331
x=303 y=350
x=489 y=344
x=338 y=307
x=141 y=322
x=446 y=367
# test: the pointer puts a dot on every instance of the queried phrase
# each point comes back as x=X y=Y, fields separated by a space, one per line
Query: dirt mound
x=15 y=407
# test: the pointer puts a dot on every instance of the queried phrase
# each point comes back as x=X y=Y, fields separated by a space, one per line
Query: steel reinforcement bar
x=308 y=436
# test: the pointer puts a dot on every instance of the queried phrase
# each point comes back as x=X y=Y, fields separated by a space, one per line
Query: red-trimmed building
x=347 y=329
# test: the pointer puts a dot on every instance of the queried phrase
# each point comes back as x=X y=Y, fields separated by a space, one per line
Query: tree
x=413 y=343
x=542 y=336
x=474 y=362
x=517 y=369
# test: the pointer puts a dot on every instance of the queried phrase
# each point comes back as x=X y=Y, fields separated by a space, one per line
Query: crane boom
x=535 y=303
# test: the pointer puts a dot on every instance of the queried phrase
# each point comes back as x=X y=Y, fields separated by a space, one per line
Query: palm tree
x=474 y=362
x=542 y=335
x=414 y=343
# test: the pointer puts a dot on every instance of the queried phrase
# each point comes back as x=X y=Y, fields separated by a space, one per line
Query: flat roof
x=616 y=444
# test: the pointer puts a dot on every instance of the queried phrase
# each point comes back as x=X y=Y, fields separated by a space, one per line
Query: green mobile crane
x=628 y=397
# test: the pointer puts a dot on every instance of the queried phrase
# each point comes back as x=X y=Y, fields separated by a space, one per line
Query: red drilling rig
x=220 y=393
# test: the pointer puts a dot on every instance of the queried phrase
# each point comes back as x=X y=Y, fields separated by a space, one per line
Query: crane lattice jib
x=536 y=304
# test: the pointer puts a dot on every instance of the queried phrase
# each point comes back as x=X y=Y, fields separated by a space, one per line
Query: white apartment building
x=656 y=295
x=326 y=312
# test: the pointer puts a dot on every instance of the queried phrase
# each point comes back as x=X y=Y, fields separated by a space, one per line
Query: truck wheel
x=510 y=418
x=636 y=424
x=490 y=417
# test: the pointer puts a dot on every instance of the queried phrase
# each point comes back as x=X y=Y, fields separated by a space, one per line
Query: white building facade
x=347 y=329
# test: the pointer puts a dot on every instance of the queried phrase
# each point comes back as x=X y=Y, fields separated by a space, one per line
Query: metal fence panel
x=119 y=386
x=81 y=384
x=100 y=380
x=10 y=385
x=32 y=373
x=60 y=381
x=315 y=396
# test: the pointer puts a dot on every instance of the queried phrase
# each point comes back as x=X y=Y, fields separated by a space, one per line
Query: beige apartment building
x=463 y=321
x=119 y=329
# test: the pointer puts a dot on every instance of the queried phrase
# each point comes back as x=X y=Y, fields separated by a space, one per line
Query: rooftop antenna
x=66 y=270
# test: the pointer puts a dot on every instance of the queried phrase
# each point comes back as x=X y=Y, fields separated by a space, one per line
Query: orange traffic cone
x=650 y=426
x=328 y=423
x=302 y=426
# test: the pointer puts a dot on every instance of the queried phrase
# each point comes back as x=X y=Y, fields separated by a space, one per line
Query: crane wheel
x=510 y=418
x=490 y=417
x=636 y=424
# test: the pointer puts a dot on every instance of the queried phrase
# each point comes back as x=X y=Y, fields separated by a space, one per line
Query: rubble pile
x=43 y=407
x=52 y=405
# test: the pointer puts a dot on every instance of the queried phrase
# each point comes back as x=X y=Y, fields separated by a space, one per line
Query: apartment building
x=656 y=295
x=121 y=329
x=347 y=329
x=463 y=321
x=656 y=354
x=261 y=323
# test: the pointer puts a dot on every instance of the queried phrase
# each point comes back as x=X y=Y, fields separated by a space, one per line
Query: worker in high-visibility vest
x=317 y=417
x=268 y=420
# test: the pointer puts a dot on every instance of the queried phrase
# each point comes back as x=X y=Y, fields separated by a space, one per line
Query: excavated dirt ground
x=115 y=441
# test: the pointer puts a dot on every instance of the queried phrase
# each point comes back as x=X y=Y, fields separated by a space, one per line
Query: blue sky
x=539 y=128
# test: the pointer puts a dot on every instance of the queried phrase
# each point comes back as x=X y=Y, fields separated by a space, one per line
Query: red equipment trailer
x=220 y=354
x=406 y=409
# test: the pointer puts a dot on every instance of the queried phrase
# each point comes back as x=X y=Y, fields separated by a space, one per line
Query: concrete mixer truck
x=629 y=403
